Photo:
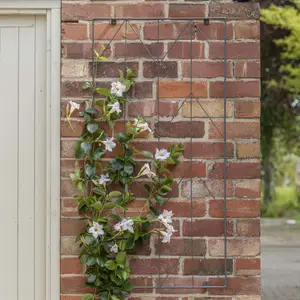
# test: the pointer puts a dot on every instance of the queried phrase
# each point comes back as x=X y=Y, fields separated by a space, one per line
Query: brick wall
x=243 y=111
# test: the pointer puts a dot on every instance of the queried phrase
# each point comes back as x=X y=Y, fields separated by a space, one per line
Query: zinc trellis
x=189 y=28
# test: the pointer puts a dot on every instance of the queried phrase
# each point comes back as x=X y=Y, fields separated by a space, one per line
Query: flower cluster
x=109 y=235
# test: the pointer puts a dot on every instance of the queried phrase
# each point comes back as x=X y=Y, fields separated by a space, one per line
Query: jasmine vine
x=109 y=236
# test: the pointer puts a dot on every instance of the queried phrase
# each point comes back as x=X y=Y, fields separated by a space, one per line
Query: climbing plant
x=108 y=235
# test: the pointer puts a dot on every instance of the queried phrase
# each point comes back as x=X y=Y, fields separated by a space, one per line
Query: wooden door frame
x=52 y=10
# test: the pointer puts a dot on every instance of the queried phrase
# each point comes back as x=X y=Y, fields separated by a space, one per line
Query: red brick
x=166 y=31
x=86 y=11
x=249 y=30
x=247 y=69
x=207 y=227
x=247 y=267
x=165 y=69
x=247 y=109
x=207 y=150
x=70 y=297
x=140 y=10
x=74 y=285
x=184 y=208
x=248 y=227
x=215 y=31
x=186 y=10
x=249 y=150
x=181 y=247
x=112 y=69
x=106 y=31
x=70 y=265
x=246 y=247
x=245 y=50
x=69 y=207
x=150 y=108
x=211 y=266
x=71 y=227
x=176 y=89
x=66 y=130
x=187 y=170
x=206 y=69
x=138 y=50
x=236 y=286
x=235 y=130
x=142 y=281
x=235 y=208
x=141 y=90
x=247 y=188
x=180 y=129
x=235 y=89
x=74 y=31
x=244 y=11
x=81 y=50
x=206 y=188
x=183 y=50
x=236 y=170
x=154 y=266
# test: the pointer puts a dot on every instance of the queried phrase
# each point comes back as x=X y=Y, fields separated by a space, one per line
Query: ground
x=280 y=261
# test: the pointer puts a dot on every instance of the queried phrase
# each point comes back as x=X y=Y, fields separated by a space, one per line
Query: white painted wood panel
x=23 y=182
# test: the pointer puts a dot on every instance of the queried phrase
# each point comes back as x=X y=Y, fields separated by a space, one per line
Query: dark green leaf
x=159 y=199
x=90 y=170
x=86 y=147
x=92 y=111
x=91 y=261
x=99 y=191
x=91 y=278
x=128 y=168
x=127 y=286
x=122 y=138
x=79 y=152
x=110 y=265
x=92 y=127
x=120 y=258
x=97 y=153
x=117 y=165
x=97 y=205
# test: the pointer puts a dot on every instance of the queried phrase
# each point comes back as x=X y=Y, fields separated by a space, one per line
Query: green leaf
x=86 y=85
x=88 y=297
x=128 y=168
x=159 y=199
x=92 y=127
x=103 y=91
x=170 y=161
x=99 y=191
x=114 y=194
x=125 y=274
x=91 y=261
x=98 y=153
x=97 y=205
x=104 y=296
x=127 y=286
x=122 y=138
x=109 y=205
x=79 y=152
x=121 y=75
x=117 y=165
x=90 y=170
x=146 y=154
x=91 y=278
x=92 y=111
x=113 y=297
x=86 y=147
x=110 y=265
x=89 y=239
x=120 y=258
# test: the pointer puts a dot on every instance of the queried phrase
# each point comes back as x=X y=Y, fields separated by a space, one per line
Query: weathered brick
x=235 y=89
x=247 y=109
x=180 y=129
x=142 y=90
x=71 y=227
x=138 y=50
x=188 y=169
x=82 y=50
x=236 y=286
x=245 y=50
x=235 y=208
x=69 y=207
x=112 y=69
x=70 y=265
x=247 y=267
x=206 y=109
x=236 y=170
x=181 y=247
x=74 y=285
x=247 y=30
x=185 y=50
x=207 y=188
x=249 y=150
x=206 y=69
x=215 y=31
x=142 y=281
x=74 y=31
x=246 y=247
x=68 y=166
x=211 y=266
x=85 y=11
x=206 y=227
x=235 y=130
x=248 y=227
x=247 y=188
x=247 y=69
x=140 y=10
x=65 y=297
x=67 y=189
x=154 y=266
x=71 y=69
x=166 y=31
x=68 y=246
x=181 y=89
x=186 y=10
x=106 y=31
x=184 y=208
x=166 y=69
x=244 y=11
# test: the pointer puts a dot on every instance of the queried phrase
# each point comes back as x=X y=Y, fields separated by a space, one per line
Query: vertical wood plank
x=9 y=162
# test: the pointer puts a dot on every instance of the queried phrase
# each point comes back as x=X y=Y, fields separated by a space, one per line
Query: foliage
x=108 y=235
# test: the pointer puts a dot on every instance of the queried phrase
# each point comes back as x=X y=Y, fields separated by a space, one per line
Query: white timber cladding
x=30 y=151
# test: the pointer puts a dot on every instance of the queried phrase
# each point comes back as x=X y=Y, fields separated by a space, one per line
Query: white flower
x=166 y=237
x=96 y=230
x=166 y=216
x=103 y=179
x=170 y=229
x=162 y=154
x=109 y=144
x=145 y=170
x=125 y=224
x=114 y=248
x=117 y=88
x=141 y=125
x=115 y=107
x=73 y=107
